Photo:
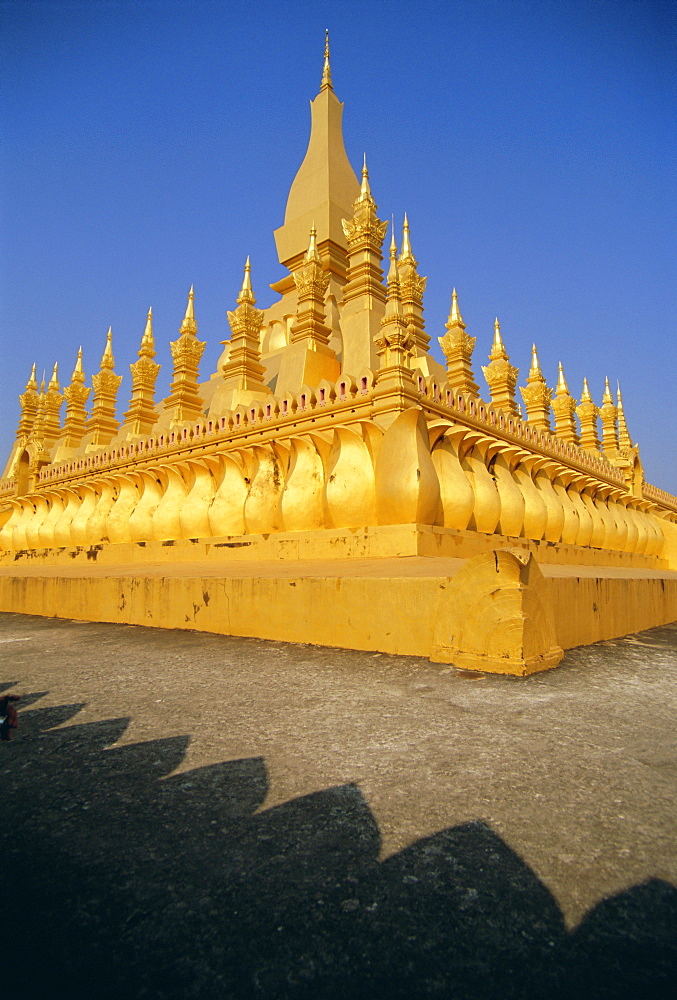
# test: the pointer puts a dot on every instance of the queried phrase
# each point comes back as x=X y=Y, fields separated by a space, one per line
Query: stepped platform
x=497 y=609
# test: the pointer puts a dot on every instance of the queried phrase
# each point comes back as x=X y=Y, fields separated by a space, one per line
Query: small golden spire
x=607 y=397
x=148 y=341
x=246 y=292
x=624 y=439
x=406 y=256
x=365 y=190
x=561 y=389
x=326 y=71
x=392 y=270
x=189 y=325
x=585 y=394
x=455 y=318
x=498 y=350
x=54 y=381
x=535 y=370
x=32 y=384
x=311 y=252
x=564 y=408
x=42 y=384
x=107 y=358
x=78 y=374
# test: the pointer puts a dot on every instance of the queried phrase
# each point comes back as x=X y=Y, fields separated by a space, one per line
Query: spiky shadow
x=123 y=884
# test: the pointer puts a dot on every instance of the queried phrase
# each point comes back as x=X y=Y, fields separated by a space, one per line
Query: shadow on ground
x=120 y=881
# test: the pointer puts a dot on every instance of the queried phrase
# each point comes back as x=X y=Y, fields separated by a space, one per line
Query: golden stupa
x=332 y=482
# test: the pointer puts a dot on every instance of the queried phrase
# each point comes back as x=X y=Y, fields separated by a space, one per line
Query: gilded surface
x=328 y=414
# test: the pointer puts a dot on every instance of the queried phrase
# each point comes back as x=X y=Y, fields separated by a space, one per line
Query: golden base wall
x=496 y=610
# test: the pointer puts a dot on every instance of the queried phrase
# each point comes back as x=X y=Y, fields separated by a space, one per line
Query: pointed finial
x=561 y=389
x=42 y=384
x=455 y=318
x=147 y=348
x=311 y=252
x=246 y=292
x=624 y=439
x=607 y=397
x=365 y=190
x=535 y=370
x=498 y=350
x=585 y=394
x=189 y=325
x=54 y=381
x=78 y=374
x=406 y=257
x=32 y=384
x=107 y=358
x=326 y=71
x=392 y=270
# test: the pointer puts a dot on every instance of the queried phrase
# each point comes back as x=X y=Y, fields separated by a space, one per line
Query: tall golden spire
x=324 y=190
x=392 y=254
x=246 y=293
x=624 y=439
x=184 y=402
x=312 y=283
x=363 y=295
x=74 y=426
x=189 y=325
x=147 y=349
x=564 y=407
x=365 y=189
x=102 y=426
x=412 y=287
x=608 y=413
x=587 y=414
x=455 y=317
x=393 y=343
x=243 y=372
x=29 y=407
x=326 y=69
x=52 y=405
x=458 y=348
x=141 y=416
x=498 y=351
x=536 y=395
x=78 y=374
x=406 y=255
x=107 y=360
x=501 y=376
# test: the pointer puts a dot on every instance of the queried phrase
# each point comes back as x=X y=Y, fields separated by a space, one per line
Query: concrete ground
x=193 y=815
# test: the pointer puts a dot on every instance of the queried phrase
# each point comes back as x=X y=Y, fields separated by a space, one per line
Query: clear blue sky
x=151 y=145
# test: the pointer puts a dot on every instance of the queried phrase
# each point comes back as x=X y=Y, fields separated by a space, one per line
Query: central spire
x=326 y=71
x=324 y=189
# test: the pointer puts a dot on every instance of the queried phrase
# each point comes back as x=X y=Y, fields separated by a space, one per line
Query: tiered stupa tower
x=141 y=416
x=102 y=426
x=329 y=432
x=458 y=347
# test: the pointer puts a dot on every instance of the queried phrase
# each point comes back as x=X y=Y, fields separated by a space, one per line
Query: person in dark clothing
x=9 y=717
